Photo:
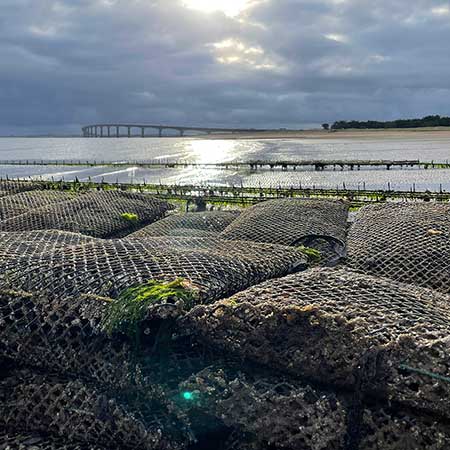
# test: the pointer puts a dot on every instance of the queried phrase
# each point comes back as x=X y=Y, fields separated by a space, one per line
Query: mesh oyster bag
x=100 y=214
x=77 y=412
x=70 y=336
x=36 y=441
x=271 y=411
x=28 y=244
x=107 y=268
x=23 y=202
x=189 y=224
x=62 y=335
x=343 y=329
x=10 y=187
x=382 y=429
x=319 y=224
x=407 y=242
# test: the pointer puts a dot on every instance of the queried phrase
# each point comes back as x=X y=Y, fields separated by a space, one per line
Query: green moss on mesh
x=130 y=217
x=313 y=255
x=130 y=309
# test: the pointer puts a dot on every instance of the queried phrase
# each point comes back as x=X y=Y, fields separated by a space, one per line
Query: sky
x=243 y=63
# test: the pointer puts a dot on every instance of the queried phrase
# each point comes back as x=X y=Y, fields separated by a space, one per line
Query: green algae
x=130 y=217
x=131 y=307
x=314 y=256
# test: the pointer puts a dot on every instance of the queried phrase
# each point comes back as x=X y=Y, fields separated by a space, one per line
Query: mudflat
x=397 y=133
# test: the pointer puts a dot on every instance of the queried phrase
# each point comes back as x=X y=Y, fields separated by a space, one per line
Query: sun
x=229 y=7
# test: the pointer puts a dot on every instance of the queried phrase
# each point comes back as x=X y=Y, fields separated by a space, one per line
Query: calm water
x=203 y=151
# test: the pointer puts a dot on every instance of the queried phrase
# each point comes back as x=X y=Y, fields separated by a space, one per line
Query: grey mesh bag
x=407 y=242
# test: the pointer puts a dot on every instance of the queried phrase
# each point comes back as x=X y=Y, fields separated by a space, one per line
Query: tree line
x=428 y=121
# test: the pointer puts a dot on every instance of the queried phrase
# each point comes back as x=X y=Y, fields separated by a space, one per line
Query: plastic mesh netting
x=407 y=242
x=14 y=205
x=62 y=335
x=9 y=187
x=34 y=243
x=276 y=412
x=77 y=412
x=189 y=224
x=108 y=267
x=36 y=441
x=327 y=359
x=341 y=328
x=384 y=430
x=100 y=214
x=319 y=224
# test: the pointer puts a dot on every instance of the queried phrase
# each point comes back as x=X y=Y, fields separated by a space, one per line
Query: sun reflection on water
x=204 y=152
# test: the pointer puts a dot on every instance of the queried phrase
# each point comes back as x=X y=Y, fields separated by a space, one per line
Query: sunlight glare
x=207 y=151
x=229 y=7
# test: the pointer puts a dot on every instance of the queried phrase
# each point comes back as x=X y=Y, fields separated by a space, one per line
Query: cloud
x=276 y=63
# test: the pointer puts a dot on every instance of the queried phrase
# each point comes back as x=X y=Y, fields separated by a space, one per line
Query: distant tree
x=326 y=126
x=428 y=121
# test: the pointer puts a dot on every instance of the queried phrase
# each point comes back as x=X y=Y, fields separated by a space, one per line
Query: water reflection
x=205 y=151
x=211 y=150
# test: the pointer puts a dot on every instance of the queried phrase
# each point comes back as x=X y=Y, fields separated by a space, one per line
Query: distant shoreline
x=399 y=133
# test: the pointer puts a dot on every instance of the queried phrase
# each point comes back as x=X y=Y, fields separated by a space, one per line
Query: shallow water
x=204 y=151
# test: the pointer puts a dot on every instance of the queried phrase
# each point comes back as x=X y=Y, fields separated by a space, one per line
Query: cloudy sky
x=278 y=63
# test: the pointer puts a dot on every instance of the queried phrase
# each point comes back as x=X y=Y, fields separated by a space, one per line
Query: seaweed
x=314 y=256
x=131 y=307
x=130 y=217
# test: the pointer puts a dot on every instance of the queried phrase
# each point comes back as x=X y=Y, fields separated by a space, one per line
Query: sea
x=201 y=150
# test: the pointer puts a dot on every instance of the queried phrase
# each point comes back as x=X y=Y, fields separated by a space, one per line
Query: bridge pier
x=107 y=130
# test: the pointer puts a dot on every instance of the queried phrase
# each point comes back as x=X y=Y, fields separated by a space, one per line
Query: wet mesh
x=34 y=243
x=9 y=187
x=14 y=205
x=319 y=224
x=407 y=242
x=107 y=268
x=97 y=214
x=272 y=413
x=268 y=412
x=66 y=336
x=341 y=328
x=382 y=430
x=77 y=412
x=35 y=441
x=190 y=224
x=62 y=335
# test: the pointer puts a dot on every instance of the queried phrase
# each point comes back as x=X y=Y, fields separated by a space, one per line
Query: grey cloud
x=288 y=62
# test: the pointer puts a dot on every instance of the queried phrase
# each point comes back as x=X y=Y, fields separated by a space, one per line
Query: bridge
x=114 y=130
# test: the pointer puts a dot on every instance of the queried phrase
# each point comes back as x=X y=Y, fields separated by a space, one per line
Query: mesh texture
x=341 y=328
x=97 y=214
x=407 y=242
x=74 y=411
x=268 y=412
x=319 y=224
x=189 y=224
x=107 y=268
x=21 y=203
